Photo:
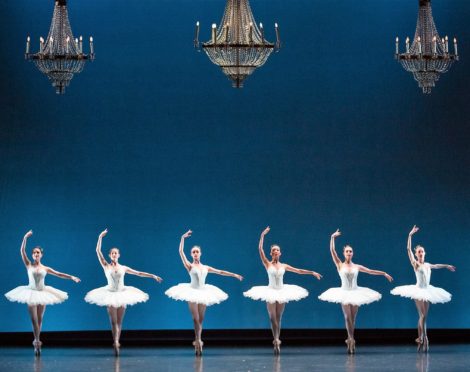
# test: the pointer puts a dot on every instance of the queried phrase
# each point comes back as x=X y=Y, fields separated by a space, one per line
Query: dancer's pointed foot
x=277 y=347
x=419 y=341
x=351 y=345
x=37 y=348
x=117 y=348
x=198 y=347
x=426 y=344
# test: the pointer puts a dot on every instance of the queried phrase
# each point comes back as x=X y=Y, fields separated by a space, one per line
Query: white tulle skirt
x=127 y=296
x=430 y=294
x=47 y=296
x=359 y=296
x=288 y=292
x=207 y=295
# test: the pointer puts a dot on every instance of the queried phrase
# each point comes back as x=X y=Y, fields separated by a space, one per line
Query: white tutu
x=36 y=293
x=359 y=296
x=430 y=294
x=46 y=296
x=126 y=296
x=350 y=293
x=288 y=292
x=206 y=295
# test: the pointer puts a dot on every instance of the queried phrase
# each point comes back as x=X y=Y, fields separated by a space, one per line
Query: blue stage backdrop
x=151 y=140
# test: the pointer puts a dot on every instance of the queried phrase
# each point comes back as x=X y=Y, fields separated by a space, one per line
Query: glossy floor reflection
x=368 y=358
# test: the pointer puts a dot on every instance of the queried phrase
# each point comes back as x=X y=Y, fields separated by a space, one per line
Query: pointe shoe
x=198 y=347
x=277 y=347
x=426 y=344
x=419 y=341
x=37 y=348
x=351 y=345
x=117 y=348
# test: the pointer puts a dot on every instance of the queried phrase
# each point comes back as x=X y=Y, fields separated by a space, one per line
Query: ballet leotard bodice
x=36 y=278
x=198 y=276
x=115 y=278
x=423 y=275
x=348 y=277
x=276 y=277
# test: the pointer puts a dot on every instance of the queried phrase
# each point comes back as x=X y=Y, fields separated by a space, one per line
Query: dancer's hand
x=239 y=277
x=450 y=267
x=28 y=234
x=414 y=230
x=157 y=278
x=187 y=234
x=336 y=234
x=389 y=278
x=317 y=275
x=75 y=279
x=103 y=233
x=265 y=231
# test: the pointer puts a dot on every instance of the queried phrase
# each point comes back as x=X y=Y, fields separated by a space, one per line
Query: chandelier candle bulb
x=76 y=43
x=28 y=42
x=262 y=32
x=92 y=48
x=80 y=45
x=214 y=33
x=67 y=41
x=434 y=45
x=447 y=44
x=407 y=45
x=420 y=51
x=455 y=47
x=41 y=45
x=396 y=45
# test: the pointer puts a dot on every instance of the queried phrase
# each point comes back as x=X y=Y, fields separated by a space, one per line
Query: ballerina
x=422 y=292
x=277 y=294
x=116 y=296
x=36 y=294
x=198 y=294
x=350 y=296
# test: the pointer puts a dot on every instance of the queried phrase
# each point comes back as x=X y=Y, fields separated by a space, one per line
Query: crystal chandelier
x=60 y=56
x=428 y=55
x=238 y=45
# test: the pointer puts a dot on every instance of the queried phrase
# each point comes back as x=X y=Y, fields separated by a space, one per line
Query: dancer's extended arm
x=62 y=275
x=374 y=272
x=302 y=271
x=334 y=255
x=186 y=262
x=414 y=263
x=442 y=266
x=24 y=256
x=101 y=258
x=264 y=260
x=224 y=273
x=142 y=274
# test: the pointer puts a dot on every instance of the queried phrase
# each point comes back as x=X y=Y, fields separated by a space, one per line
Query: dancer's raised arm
x=414 y=263
x=101 y=258
x=224 y=273
x=24 y=256
x=142 y=274
x=62 y=275
x=302 y=271
x=374 y=272
x=264 y=260
x=334 y=255
x=186 y=262
x=442 y=266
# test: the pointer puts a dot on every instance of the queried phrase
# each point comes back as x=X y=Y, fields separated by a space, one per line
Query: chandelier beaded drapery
x=61 y=55
x=428 y=55
x=238 y=44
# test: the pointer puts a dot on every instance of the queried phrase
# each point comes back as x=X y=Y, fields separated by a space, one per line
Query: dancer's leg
x=279 y=311
x=194 y=309
x=33 y=313
x=272 y=312
x=120 y=311
x=112 y=312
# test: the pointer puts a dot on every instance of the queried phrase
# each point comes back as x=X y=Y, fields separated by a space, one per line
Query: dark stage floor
x=368 y=358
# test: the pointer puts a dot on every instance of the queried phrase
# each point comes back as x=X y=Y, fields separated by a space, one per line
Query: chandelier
x=428 y=55
x=61 y=55
x=238 y=45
